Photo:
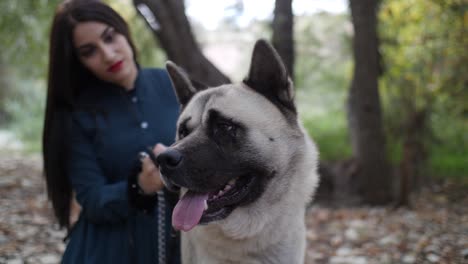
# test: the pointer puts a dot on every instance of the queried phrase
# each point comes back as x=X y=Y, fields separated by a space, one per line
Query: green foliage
x=450 y=147
x=323 y=57
x=329 y=131
x=323 y=73
x=24 y=27
x=26 y=108
x=423 y=44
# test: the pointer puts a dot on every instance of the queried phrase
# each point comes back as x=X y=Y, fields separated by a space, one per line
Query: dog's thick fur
x=251 y=130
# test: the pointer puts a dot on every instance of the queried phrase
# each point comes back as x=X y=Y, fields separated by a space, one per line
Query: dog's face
x=231 y=141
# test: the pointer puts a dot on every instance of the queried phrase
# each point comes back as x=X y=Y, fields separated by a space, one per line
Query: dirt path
x=436 y=231
x=27 y=233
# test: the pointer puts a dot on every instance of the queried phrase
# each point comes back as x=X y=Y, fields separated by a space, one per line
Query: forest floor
x=435 y=230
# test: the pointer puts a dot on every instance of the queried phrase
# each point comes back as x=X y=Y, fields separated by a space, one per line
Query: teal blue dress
x=108 y=129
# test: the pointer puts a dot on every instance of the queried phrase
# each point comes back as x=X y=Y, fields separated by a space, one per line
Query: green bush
x=26 y=107
x=330 y=134
x=449 y=151
x=324 y=117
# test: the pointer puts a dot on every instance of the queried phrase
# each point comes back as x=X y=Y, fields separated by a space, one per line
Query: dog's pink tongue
x=188 y=211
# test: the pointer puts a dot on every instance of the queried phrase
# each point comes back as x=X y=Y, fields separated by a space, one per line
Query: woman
x=102 y=111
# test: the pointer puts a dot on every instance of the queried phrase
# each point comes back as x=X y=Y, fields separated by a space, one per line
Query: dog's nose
x=169 y=159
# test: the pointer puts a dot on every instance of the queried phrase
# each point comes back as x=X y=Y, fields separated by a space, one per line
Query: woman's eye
x=87 y=52
x=109 y=38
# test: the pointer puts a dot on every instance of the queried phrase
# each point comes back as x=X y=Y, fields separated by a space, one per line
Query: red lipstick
x=115 y=67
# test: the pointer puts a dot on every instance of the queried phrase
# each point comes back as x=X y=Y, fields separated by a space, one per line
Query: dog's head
x=232 y=140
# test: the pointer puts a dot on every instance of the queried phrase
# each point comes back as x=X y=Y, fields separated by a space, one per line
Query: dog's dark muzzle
x=170 y=165
x=169 y=160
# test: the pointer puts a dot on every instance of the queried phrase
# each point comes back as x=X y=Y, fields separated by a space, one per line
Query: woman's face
x=106 y=53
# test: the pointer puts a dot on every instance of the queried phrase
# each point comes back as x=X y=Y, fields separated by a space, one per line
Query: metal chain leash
x=161 y=228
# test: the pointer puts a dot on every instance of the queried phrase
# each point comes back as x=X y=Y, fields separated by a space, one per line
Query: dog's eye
x=226 y=128
x=183 y=132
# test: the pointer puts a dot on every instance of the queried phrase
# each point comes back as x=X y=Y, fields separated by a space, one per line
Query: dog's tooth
x=206 y=205
x=227 y=187
x=220 y=192
x=232 y=182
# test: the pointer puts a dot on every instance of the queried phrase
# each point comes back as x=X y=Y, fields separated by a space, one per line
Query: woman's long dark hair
x=66 y=77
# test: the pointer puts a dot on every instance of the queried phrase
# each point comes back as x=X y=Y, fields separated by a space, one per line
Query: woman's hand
x=75 y=210
x=149 y=178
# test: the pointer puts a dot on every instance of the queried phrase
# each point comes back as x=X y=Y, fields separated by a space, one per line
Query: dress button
x=144 y=125
x=134 y=99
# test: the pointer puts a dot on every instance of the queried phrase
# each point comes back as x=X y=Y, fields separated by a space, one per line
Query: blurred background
x=381 y=86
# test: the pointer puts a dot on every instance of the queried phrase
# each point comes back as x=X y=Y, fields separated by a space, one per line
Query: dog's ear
x=268 y=76
x=184 y=87
x=199 y=86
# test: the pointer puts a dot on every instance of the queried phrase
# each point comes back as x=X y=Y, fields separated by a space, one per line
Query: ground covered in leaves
x=435 y=230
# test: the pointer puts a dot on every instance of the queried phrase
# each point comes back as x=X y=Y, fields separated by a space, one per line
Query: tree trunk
x=373 y=181
x=414 y=154
x=171 y=27
x=283 y=34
